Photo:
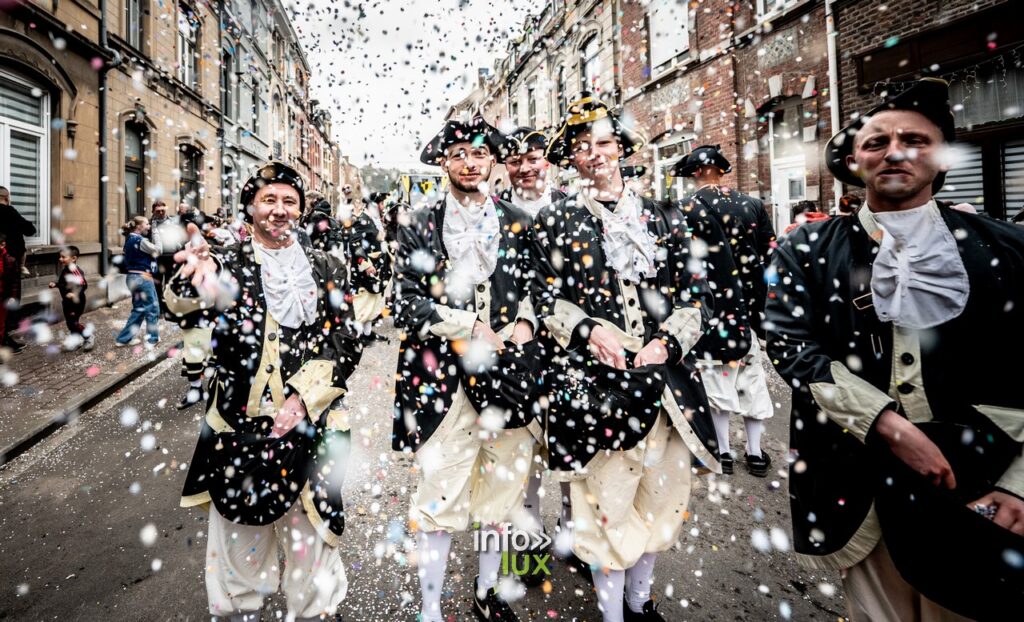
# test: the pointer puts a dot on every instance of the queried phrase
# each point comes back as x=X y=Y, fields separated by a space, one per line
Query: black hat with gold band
x=525 y=139
x=584 y=114
x=475 y=131
x=273 y=172
x=927 y=96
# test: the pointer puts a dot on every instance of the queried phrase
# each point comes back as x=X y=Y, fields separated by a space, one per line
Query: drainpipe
x=833 y=86
x=102 y=125
x=221 y=209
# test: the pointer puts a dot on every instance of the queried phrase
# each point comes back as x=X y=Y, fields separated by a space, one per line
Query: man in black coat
x=528 y=171
x=15 y=229
x=273 y=447
x=730 y=355
x=461 y=295
x=612 y=284
x=370 y=263
x=902 y=317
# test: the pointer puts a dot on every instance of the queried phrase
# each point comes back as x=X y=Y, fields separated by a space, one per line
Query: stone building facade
x=196 y=94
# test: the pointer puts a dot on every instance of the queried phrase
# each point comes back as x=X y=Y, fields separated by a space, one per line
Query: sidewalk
x=43 y=388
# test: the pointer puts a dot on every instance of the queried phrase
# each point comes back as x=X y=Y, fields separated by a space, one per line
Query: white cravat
x=628 y=244
x=531 y=207
x=471 y=236
x=918 y=279
x=288 y=285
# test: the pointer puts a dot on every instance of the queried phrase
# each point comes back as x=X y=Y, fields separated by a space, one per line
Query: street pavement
x=90 y=527
x=44 y=387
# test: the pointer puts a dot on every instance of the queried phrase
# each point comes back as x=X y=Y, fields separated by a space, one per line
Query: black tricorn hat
x=947 y=551
x=273 y=172
x=705 y=155
x=377 y=197
x=475 y=131
x=507 y=383
x=927 y=96
x=581 y=116
x=524 y=139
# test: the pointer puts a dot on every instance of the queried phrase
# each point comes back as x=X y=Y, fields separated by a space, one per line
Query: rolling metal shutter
x=964 y=182
x=1013 y=177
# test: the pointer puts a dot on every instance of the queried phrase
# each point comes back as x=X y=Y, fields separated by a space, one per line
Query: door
x=789 y=186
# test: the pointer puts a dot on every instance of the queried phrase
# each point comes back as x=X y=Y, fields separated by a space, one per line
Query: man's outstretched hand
x=197 y=262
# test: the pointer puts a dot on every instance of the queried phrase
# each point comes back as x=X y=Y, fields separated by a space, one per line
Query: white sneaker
x=133 y=342
x=90 y=343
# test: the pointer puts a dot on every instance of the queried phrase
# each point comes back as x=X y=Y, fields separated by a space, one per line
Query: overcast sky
x=389 y=70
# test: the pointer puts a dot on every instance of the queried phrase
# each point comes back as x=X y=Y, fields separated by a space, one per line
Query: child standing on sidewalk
x=72 y=285
x=140 y=262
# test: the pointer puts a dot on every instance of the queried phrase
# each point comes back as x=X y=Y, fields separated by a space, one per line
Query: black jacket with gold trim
x=846 y=366
x=250 y=477
x=574 y=288
x=437 y=325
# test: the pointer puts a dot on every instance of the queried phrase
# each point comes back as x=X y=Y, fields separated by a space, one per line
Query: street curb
x=79 y=406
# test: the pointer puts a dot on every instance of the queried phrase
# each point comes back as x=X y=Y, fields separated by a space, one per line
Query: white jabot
x=918 y=279
x=628 y=244
x=470 y=234
x=531 y=207
x=288 y=284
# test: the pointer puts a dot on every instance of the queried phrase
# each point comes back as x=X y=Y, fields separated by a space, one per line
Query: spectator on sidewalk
x=15 y=229
x=140 y=262
x=71 y=285
x=848 y=204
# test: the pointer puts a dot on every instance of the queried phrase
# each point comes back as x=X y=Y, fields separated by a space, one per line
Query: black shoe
x=492 y=607
x=727 y=463
x=192 y=396
x=534 y=579
x=15 y=346
x=649 y=614
x=758 y=465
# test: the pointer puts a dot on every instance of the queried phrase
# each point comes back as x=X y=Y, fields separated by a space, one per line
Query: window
x=590 y=67
x=668 y=28
x=277 y=127
x=786 y=125
x=24 y=152
x=133 y=27
x=190 y=163
x=188 y=46
x=513 y=112
x=771 y=8
x=228 y=182
x=135 y=143
x=531 y=104
x=560 y=94
x=228 y=85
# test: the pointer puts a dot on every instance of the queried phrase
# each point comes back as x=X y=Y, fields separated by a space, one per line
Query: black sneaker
x=534 y=579
x=192 y=396
x=758 y=465
x=727 y=463
x=492 y=607
x=649 y=613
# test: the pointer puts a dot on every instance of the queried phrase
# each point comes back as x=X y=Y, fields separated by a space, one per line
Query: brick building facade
x=978 y=46
x=190 y=94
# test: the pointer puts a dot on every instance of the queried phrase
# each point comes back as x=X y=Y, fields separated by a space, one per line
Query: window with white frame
x=188 y=46
x=771 y=8
x=531 y=103
x=229 y=85
x=24 y=151
x=669 y=27
x=590 y=67
x=133 y=27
